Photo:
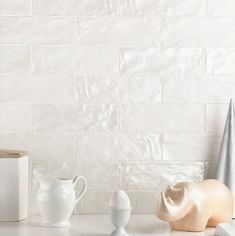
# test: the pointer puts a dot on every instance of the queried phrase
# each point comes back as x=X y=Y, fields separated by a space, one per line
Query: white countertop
x=91 y=225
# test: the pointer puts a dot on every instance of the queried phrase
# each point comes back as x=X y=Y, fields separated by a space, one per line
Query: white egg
x=119 y=200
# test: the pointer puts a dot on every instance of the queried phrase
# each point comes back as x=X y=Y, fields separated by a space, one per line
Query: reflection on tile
x=15 y=118
x=14 y=59
x=70 y=118
x=41 y=146
x=159 y=175
x=37 y=89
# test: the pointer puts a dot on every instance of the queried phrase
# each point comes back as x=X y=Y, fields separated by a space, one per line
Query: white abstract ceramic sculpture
x=120 y=211
x=190 y=206
x=56 y=199
x=226 y=162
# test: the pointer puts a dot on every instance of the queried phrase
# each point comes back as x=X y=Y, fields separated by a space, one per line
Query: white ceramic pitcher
x=56 y=199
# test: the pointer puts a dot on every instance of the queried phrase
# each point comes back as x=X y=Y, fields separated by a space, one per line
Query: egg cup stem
x=119 y=232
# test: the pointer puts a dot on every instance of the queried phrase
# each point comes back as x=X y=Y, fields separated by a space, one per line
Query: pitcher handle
x=84 y=188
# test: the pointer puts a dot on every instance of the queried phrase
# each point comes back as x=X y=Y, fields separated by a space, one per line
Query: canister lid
x=12 y=154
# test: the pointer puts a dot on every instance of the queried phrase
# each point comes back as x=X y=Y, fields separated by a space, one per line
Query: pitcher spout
x=46 y=179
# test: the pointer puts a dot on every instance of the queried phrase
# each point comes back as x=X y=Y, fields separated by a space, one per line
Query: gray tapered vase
x=225 y=171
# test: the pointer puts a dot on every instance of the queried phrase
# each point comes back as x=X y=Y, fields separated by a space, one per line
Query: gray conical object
x=225 y=171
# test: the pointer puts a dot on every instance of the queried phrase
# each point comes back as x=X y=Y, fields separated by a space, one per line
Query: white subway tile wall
x=132 y=94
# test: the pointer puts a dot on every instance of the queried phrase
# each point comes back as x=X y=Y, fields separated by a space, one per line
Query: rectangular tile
x=37 y=30
x=198 y=32
x=140 y=89
x=143 y=202
x=162 y=118
x=216 y=116
x=92 y=171
x=53 y=59
x=76 y=8
x=100 y=174
x=93 y=146
x=15 y=118
x=42 y=146
x=198 y=89
x=118 y=31
x=225 y=8
x=71 y=118
x=153 y=61
x=80 y=60
x=221 y=61
x=159 y=175
x=163 y=8
x=138 y=147
x=133 y=89
x=94 y=202
x=14 y=59
x=97 y=89
x=37 y=89
x=97 y=60
x=14 y=7
x=104 y=146
x=191 y=147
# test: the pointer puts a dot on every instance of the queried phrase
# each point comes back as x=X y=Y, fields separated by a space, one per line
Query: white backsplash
x=131 y=94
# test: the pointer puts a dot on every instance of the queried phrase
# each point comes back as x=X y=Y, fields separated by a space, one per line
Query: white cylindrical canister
x=14 y=171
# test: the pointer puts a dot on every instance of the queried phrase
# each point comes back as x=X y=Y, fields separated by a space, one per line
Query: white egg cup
x=119 y=218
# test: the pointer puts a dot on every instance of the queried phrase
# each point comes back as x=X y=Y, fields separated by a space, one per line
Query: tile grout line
x=119 y=174
x=206 y=59
x=118 y=104
x=31 y=60
x=76 y=158
x=32 y=123
x=206 y=119
x=31 y=8
x=162 y=80
x=206 y=6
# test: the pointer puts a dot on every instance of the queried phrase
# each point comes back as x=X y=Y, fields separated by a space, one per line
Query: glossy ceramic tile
x=69 y=118
x=10 y=123
x=37 y=89
x=158 y=118
x=131 y=94
x=158 y=175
